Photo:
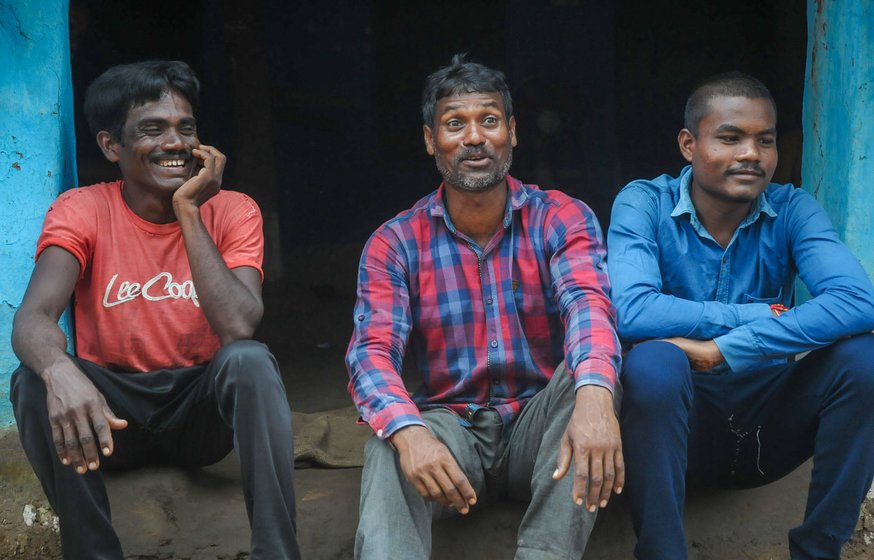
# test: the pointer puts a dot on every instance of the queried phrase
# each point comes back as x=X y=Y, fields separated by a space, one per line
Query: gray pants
x=395 y=521
x=187 y=417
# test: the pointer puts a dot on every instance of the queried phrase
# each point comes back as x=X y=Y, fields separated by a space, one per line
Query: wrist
x=401 y=439
x=778 y=309
x=58 y=365
x=184 y=208
x=589 y=393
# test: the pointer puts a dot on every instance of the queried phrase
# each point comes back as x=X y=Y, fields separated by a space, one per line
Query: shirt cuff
x=394 y=417
x=739 y=349
x=749 y=312
x=594 y=371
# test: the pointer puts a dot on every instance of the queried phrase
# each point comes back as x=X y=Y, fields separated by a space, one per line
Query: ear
x=429 y=139
x=109 y=146
x=686 y=141
x=512 y=124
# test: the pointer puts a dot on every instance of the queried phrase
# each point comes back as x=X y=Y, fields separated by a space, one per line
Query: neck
x=158 y=210
x=720 y=218
x=478 y=215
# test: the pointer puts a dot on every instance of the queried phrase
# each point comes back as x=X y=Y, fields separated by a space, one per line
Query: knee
x=655 y=374
x=379 y=460
x=27 y=392
x=855 y=357
x=856 y=352
x=249 y=366
x=376 y=451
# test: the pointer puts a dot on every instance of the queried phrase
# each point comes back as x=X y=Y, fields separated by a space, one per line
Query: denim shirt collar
x=685 y=206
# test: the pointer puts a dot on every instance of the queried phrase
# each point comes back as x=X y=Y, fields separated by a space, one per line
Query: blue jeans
x=741 y=430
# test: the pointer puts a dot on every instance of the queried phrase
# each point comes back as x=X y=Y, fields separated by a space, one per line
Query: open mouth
x=171 y=162
x=476 y=160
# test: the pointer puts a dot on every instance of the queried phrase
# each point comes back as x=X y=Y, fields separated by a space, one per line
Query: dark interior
x=316 y=105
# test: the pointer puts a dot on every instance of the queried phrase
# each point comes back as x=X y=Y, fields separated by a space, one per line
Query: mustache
x=178 y=154
x=746 y=168
x=472 y=152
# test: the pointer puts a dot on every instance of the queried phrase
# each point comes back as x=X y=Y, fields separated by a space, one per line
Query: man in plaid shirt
x=500 y=290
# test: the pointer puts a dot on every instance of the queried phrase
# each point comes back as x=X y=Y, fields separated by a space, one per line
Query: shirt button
x=724 y=259
x=361 y=317
x=494 y=344
x=379 y=433
x=489 y=300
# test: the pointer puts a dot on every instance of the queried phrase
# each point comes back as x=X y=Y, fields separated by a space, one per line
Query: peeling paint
x=37 y=118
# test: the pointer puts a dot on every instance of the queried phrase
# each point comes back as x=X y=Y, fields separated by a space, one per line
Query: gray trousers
x=395 y=521
x=186 y=417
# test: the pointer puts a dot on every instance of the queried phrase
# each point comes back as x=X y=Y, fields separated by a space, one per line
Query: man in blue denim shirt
x=703 y=266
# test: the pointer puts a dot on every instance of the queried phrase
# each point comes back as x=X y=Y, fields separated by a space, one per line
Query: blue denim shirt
x=671 y=278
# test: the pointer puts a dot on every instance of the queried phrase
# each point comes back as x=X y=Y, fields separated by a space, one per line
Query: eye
x=490 y=120
x=728 y=139
x=767 y=141
x=151 y=130
x=454 y=124
x=188 y=130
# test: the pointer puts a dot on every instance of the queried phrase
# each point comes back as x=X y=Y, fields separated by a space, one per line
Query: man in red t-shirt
x=164 y=269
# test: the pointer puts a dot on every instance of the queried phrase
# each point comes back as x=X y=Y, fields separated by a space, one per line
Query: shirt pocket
x=747 y=298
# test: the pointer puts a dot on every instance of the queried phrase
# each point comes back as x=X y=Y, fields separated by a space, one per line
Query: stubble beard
x=457 y=178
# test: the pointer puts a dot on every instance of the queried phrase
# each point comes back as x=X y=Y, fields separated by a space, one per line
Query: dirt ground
x=163 y=514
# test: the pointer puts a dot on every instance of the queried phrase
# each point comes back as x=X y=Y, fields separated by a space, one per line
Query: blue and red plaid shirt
x=486 y=326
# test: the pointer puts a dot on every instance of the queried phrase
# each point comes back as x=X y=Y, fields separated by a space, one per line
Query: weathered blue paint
x=838 y=164
x=37 y=147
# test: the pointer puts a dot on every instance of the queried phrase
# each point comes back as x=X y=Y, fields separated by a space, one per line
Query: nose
x=749 y=151
x=472 y=136
x=172 y=140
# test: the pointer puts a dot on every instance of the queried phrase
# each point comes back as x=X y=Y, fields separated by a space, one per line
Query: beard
x=468 y=182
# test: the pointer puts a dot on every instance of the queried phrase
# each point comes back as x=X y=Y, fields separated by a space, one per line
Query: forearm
x=39 y=342
x=232 y=309
x=814 y=324
x=379 y=393
x=592 y=350
x=646 y=314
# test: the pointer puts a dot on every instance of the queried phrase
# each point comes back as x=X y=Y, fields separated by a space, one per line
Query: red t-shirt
x=135 y=304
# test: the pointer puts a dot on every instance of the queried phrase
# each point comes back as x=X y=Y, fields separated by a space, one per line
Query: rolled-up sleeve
x=382 y=323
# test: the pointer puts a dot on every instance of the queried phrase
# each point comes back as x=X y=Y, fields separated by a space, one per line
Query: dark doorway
x=316 y=105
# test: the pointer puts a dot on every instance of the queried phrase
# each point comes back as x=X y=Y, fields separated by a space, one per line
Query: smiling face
x=734 y=154
x=154 y=151
x=471 y=140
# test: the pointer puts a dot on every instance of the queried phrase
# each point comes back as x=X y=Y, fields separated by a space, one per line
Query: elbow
x=239 y=330
x=629 y=331
x=231 y=337
x=632 y=326
x=868 y=315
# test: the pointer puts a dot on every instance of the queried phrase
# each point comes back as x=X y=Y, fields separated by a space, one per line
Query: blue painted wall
x=37 y=147
x=838 y=159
